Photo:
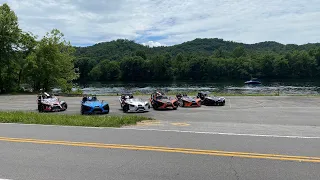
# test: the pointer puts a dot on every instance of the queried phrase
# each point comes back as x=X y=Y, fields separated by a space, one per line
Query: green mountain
x=116 y=50
x=199 y=59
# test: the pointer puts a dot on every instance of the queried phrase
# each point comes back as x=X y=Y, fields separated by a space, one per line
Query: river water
x=301 y=87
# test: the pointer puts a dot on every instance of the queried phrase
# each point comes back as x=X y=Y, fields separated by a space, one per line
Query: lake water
x=301 y=87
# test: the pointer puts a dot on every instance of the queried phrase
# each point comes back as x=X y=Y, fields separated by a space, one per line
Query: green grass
x=69 y=120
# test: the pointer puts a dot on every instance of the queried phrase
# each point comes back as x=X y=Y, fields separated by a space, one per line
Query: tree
x=218 y=53
x=52 y=63
x=85 y=66
x=9 y=39
x=267 y=65
x=27 y=46
x=197 y=68
x=141 y=54
x=161 y=68
x=106 y=71
x=316 y=54
x=134 y=69
x=239 y=51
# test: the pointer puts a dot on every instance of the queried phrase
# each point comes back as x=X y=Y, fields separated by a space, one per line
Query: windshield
x=162 y=97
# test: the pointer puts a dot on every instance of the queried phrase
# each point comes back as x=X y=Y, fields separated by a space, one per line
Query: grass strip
x=70 y=120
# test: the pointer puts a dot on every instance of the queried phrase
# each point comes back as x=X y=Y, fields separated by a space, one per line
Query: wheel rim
x=180 y=103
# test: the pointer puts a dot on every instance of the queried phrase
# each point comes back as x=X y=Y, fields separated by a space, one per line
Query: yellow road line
x=167 y=149
x=180 y=124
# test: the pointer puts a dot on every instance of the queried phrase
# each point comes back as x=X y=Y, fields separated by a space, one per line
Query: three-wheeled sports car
x=50 y=103
x=91 y=105
x=211 y=101
x=130 y=104
x=187 y=101
x=160 y=101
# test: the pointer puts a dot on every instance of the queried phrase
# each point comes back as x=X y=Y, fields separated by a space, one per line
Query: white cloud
x=159 y=22
x=153 y=44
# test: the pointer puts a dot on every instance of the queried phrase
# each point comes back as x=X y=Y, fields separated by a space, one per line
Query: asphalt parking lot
x=282 y=110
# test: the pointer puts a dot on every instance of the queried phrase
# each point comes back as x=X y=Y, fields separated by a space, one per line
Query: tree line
x=27 y=60
x=201 y=59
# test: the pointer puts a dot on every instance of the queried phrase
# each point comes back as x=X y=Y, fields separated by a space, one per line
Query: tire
x=82 y=112
x=181 y=103
x=175 y=108
x=40 y=108
x=125 y=108
x=108 y=108
x=64 y=106
x=155 y=107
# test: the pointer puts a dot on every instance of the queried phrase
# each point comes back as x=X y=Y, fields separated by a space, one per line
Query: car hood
x=50 y=101
x=190 y=99
x=215 y=98
x=136 y=101
x=94 y=103
x=166 y=100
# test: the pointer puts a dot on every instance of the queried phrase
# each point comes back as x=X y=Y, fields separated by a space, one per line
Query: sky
x=165 y=23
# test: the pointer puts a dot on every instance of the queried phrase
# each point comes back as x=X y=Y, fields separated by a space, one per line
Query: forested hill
x=203 y=59
x=115 y=50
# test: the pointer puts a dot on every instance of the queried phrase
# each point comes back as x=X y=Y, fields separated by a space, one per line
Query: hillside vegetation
x=200 y=59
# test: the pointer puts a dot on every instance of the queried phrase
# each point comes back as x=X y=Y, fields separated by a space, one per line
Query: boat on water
x=253 y=81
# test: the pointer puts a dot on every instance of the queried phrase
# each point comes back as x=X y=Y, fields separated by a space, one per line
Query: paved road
x=287 y=126
x=37 y=160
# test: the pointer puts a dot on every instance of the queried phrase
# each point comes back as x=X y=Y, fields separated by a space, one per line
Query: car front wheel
x=64 y=106
x=40 y=108
x=125 y=108
x=82 y=111
x=181 y=104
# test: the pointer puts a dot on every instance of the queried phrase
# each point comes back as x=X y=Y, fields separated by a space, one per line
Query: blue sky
x=164 y=22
